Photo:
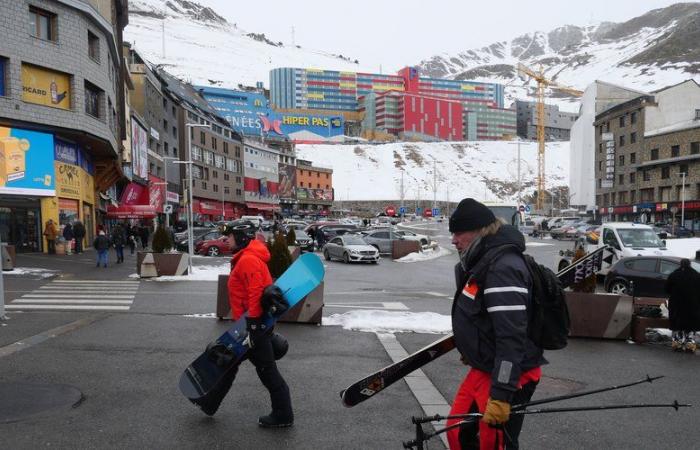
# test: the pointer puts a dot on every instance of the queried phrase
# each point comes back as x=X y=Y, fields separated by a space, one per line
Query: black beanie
x=470 y=215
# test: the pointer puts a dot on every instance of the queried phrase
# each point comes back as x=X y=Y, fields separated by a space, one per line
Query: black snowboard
x=367 y=387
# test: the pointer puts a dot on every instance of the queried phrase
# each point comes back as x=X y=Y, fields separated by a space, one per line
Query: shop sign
x=87 y=187
x=172 y=197
x=26 y=162
x=661 y=206
x=609 y=163
x=139 y=150
x=45 y=87
x=65 y=152
x=156 y=192
x=67 y=180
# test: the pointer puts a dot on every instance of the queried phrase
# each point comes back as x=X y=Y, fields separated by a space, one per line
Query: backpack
x=548 y=321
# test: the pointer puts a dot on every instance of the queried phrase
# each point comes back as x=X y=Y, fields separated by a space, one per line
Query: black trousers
x=263 y=358
x=78 y=245
x=52 y=246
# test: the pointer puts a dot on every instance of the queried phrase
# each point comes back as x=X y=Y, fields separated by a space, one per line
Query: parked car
x=382 y=239
x=646 y=275
x=682 y=232
x=410 y=235
x=304 y=241
x=350 y=248
x=528 y=227
x=198 y=236
x=215 y=247
x=331 y=231
x=196 y=231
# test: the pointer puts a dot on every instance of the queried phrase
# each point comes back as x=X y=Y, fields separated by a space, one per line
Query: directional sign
x=436 y=212
x=419 y=210
x=168 y=209
x=528 y=208
x=402 y=210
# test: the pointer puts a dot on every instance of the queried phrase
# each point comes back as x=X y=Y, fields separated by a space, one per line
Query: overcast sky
x=412 y=30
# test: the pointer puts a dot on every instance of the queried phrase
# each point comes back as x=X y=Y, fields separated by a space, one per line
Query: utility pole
x=401 y=189
x=683 y=174
x=434 y=183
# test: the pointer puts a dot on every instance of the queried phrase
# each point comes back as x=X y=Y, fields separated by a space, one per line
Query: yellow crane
x=542 y=83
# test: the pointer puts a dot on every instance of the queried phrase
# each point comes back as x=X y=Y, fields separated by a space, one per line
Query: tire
x=618 y=287
x=562 y=265
x=326 y=255
x=346 y=258
x=213 y=251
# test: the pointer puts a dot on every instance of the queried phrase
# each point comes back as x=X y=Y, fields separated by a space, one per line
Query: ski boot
x=689 y=345
x=676 y=345
x=274 y=421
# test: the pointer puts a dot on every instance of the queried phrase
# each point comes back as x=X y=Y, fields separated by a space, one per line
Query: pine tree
x=291 y=237
x=280 y=258
x=161 y=240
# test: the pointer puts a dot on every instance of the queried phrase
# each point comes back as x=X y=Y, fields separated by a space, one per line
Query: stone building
x=61 y=113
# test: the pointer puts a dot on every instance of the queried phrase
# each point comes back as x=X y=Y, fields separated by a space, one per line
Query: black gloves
x=273 y=302
x=255 y=327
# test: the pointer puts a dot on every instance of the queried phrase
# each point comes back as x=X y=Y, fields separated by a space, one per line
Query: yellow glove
x=497 y=412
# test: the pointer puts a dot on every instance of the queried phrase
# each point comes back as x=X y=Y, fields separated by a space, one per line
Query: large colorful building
x=484 y=117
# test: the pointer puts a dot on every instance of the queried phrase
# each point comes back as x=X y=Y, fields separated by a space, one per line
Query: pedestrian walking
x=118 y=240
x=249 y=278
x=79 y=233
x=101 y=244
x=51 y=233
x=490 y=324
x=143 y=232
x=684 y=306
x=68 y=235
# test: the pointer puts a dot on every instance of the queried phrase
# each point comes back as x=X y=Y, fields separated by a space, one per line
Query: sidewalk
x=80 y=266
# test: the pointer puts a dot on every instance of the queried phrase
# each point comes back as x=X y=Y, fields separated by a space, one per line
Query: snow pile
x=391 y=322
x=425 y=255
x=486 y=171
x=537 y=244
x=684 y=248
x=199 y=273
x=202 y=316
x=32 y=271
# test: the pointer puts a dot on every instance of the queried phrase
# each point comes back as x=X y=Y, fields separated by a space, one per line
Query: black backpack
x=548 y=321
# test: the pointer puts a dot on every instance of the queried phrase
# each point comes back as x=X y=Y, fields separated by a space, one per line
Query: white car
x=350 y=248
x=411 y=236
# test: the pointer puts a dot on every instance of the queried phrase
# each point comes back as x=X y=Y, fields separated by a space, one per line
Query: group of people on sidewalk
x=72 y=232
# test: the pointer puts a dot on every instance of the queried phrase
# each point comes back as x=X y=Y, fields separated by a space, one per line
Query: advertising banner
x=288 y=178
x=67 y=180
x=139 y=150
x=26 y=162
x=156 y=193
x=314 y=194
x=134 y=194
x=45 y=87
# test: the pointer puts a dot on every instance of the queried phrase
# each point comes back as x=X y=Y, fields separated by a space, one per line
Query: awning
x=262 y=206
x=131 y=212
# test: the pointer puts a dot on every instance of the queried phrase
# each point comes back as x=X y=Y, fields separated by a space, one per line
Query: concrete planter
x=600 y=315
x=151 y=264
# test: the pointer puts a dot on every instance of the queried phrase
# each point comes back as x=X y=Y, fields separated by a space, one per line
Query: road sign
x=419 y=210
x=390 y=210
x=168 y=209
x=528 y=208
x=436 y=212
x=402 y=210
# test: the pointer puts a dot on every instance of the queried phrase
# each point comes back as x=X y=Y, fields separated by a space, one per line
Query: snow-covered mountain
x=483 y=170
x=648 y=52
x=204 y=48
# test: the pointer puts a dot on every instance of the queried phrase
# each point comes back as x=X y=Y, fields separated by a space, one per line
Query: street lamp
x=189 y=162
x=683 y=174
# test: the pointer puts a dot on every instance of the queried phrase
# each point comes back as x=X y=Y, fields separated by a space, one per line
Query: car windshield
x=354 y=240
x=639 y=238
x=301 y=235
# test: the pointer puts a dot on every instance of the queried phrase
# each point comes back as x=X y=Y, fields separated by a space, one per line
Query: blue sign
x=65 y=152
x=241 y=109
x=419 y=210
x=28 y=162
x=402 y=210
x=527 y=208
x=436 y=212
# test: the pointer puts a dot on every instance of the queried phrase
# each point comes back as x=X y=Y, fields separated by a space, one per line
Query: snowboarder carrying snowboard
x=490 y=323
x=249 y=278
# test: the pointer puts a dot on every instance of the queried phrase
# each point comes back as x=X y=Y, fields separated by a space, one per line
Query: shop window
x=675 y=151
x=654 y=154
x=3 y=65
x=93 y=46
x=93 y=96
x=43 y=24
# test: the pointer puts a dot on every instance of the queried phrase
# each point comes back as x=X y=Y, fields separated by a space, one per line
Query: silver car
x=382 y=239
x=411 y=236
x=350 y=248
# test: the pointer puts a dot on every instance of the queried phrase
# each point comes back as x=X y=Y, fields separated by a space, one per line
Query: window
x=42 y=24
x=196 y=153
x=694 y=146
x=208 y=157
x=165 y=103
x=622 y=140
x=600 y=166
x=165 y=124
x=226 y=147
x=665 y=173
x=238 y=152
x=633 y=196
x=174 y=132
x=633 y=178
x=666 y=267
x=622 y=121
x=213 y=143
x=647 y=195
x=643 y=265
x=93 y=46
x=92 y=100
x=204 y=184
x=202 y=138
x=226 y=177
x=219 y=161
x=621 y=177
x=230 y=165
x=165 y=148
x=654 y=154
x=227 y=190
x=622 y=160
x=646 y=176
x=697 y=114
x=684 y=169
x=633 y=158
x=215 y=187
x=633 y=138
x=600 y=148
x=3 y=64
x=633 y=117
x=675 y=151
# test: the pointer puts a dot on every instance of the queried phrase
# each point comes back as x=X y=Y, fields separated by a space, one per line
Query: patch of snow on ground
x=200 y=273
x=202 y=316
x=425 y=255
x=684 y=248
x=537 y=244
x=391 y=322
x=34 y=271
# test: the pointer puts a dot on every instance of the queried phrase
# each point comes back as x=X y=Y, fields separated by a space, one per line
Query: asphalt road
x=126 y=364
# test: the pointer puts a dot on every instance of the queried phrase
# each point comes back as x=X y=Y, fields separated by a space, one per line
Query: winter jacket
x=79 y=230
x=68 y=232
x=684 y=299
x=50 y=231
x=118 y=236
x=490 y=311
x=249 y=277
x=101 y=243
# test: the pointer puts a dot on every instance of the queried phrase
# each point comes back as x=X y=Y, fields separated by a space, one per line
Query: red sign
x=156 y=192
x=390 y=210
x=428 y=212
x=134 y=194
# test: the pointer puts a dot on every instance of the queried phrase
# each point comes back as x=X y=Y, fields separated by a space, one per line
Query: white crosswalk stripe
x=78 y=295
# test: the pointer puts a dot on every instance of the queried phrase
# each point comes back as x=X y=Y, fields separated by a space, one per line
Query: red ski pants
x=472 y=397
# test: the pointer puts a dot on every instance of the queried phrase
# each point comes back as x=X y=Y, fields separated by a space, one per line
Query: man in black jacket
x=79 y=233
x=489 y=321
x=684 y=306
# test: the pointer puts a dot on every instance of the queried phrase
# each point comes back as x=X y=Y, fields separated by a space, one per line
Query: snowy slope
x=654 y=50
x=483 y=170
x=205 y=49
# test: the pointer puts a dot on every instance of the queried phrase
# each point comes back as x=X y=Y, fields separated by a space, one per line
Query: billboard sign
x=45 y=87
x=287 y=176
x=139 y=150
x=26 y=162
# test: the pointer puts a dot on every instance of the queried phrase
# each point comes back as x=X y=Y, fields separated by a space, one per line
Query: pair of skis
x=369 y=386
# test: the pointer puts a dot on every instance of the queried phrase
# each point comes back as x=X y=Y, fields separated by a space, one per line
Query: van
x=255 y=219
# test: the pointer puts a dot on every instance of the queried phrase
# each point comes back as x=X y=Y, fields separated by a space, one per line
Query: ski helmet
x=242 y=232
x=280 y=345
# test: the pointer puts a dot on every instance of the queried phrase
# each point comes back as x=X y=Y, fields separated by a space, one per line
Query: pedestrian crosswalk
x=78 y=295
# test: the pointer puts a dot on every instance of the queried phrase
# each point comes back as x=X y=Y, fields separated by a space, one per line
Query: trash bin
x=7 y=260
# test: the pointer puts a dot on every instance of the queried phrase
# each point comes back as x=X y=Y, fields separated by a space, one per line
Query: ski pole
x=421 y=436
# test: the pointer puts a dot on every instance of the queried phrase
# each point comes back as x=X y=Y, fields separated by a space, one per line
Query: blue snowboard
x=208 y=379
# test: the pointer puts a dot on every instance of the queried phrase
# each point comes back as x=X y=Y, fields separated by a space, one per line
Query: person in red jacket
x=249 y=278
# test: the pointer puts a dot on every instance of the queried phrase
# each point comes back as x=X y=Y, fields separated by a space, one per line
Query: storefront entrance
x=20 y=224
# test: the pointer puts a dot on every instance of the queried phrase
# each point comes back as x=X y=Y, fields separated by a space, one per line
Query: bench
x=640 y=324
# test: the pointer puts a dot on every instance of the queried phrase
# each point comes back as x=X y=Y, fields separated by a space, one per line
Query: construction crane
x=542 y=84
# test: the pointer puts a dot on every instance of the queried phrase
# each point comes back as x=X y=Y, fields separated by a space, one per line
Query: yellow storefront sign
x=45 y=87
x=68 y=180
